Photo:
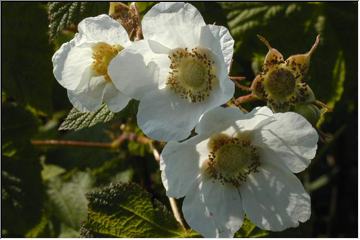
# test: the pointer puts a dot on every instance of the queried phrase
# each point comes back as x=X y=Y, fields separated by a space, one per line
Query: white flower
x=80 y=65
x=178 y=72
x=241 y=164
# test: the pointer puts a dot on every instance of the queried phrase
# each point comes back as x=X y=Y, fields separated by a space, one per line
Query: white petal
x=218 y=119
x=90 y=99
x=213 y=209
x=173 y=24
x=290 y=139
x=103 y=28
x=115 y=99
x=221 y=42
x=255 y=119
x=180 y=165
x=70 y=63
x=164 y=116
x=134 y=72
x=274 y=199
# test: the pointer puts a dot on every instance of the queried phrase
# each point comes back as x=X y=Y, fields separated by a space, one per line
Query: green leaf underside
x=77 y=120
x=126 y=210
x=68 y=198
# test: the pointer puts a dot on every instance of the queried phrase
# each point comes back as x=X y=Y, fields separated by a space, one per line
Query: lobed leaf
x=126 y=210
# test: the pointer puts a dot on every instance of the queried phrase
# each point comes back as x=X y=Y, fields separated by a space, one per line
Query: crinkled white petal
x=114 y=99
x=88 y=100
x=289 y=139
x=255 y=119
x=217 y=120
x=213 y=209
x=274 y=199
x=103 y=28
x=173 y=24
x=180 y=164
x=70 y=63
x=135 y=70
x=221 y=42
x=58 y=60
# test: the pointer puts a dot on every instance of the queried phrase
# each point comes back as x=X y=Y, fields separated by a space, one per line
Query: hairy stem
x=173 y=203
x=176 y=212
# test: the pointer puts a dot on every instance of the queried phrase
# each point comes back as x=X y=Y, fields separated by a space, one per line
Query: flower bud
x=309 y=111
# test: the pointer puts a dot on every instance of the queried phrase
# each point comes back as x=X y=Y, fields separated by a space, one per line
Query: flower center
x=280 y=83
x=103 y=53
x=193 y=74
x=231 y=159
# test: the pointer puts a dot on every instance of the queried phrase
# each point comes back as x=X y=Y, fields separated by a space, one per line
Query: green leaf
x=77 y=120
x=50 y=170
x=248 y=230
x=27 y=69
x=68 y=201
x=126 y=210
x=245 y=18
x=43 y=229
x=338 y=79
x=64 y=14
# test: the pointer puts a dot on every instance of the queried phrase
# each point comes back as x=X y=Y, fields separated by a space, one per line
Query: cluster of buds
x=281 y=84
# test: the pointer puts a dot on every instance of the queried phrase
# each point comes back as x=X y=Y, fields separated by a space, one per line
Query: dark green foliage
x=126 y=210
x=21 y=193
x=18 y=125
x=82 y=158
x=64 y=14
x=27 y=68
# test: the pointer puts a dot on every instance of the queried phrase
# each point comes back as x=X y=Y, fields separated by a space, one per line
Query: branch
x=114 y=144
x=243 y=99
x=69 y=143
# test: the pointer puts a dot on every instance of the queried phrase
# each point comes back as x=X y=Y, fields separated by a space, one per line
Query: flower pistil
x=193 y=74
x=231 y=159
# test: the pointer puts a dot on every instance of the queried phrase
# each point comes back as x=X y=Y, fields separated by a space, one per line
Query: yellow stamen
x=103 y=53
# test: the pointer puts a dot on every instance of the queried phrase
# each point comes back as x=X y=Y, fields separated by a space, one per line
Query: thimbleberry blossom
x=241 y=164
x=178 y=72
x=81 y=65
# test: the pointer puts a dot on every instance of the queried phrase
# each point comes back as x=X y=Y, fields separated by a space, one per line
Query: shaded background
x=43 y=187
